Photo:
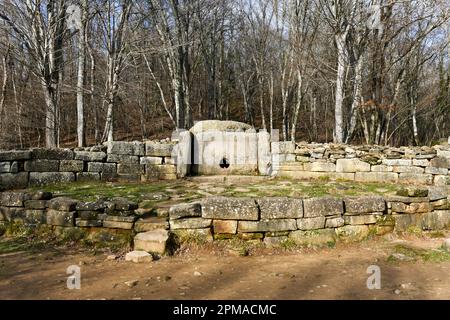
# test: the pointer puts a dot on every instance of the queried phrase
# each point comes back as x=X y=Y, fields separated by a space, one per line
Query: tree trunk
x=357 y=96
x=80 y=77
x=298 y=105
x=338 y=107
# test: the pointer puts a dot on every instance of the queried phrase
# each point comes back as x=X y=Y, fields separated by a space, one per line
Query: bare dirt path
x=337 y=273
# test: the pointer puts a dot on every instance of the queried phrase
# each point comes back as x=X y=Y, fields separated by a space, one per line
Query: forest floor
x=412 y=267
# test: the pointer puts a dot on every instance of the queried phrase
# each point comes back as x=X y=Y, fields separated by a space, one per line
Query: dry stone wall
x=273 y=221
x=416 y=165
x=129 y=161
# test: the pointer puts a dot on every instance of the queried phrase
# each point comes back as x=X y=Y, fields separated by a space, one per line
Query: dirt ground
x=331 y=273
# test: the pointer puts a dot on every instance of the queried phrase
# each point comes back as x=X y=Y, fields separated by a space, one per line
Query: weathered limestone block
x=397 y=162
x=197 y=235
x=326 y=206
x=35 y=204
x=5 y=167
x=121 y=204
x=415 y=192
x=314 y=237
x=13 y=180
x=88 y=176
x=169 y=160
x=437 y=193
x=152 y=241
x=150 y=224
x=408 y=169
x=376 y=177
x=98 y=205
x=436 y=220
x=280 y=208
x=15 y=155
x=421 y=162
x=134 y=148
x=267 y=225
x=118 y=225
x=350 y=233
x=305 y=175
x=185 y=210
x=441 y=180
x=442 y=204
x=334 y=222
x=121 y=158
x=222 y=208
x=382 y=168
x=151 y=160
x=88 y=223
x=190 y=223
x=360 y=220
x=156 y=149
x=158 y=171
x=415 y=178
x=404 y=221
x=90 y=156
x=434 y=170
x=128 y=219
x=443 y=153
x=352 y=165
x=319 y=167
x=62 y=204
x=256 y=236
x=88 y=215
x=311 y=223
x=407 y=199
x=365 y=204
x=102 y=167
x=440 y=162
x=45 y=178
x=225 y=226
x=14 y=198
x=139 y=257
x=35 y=217
x=419 y=207
x=130 y=168
x=60 y=218
x=284 y=147
x=71 y=166
x=52 y=154
x=42 y=165
x=11 y=213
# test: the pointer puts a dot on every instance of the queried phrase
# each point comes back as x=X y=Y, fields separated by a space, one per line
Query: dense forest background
x=80 y=72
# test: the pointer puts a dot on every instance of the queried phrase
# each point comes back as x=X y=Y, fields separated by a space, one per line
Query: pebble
x=397 y=291
x=111 y=257
x=132 y=283
x=197 y=274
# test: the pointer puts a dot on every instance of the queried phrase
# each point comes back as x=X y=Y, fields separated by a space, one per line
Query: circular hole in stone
x=224 y=163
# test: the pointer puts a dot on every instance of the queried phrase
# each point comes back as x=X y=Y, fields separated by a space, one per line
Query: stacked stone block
x=123 y=161
x=407 y=165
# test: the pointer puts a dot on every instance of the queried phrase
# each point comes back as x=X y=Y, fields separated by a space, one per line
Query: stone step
x=150 y=224
x=155 y=241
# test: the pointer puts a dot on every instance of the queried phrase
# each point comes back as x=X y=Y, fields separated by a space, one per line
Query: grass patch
x=433 y=255
x=192 y=190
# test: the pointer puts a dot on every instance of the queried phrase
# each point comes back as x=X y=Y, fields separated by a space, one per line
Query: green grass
x=191 y=190
x=433 y=255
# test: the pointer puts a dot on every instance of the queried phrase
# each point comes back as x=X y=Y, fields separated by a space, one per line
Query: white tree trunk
x=80 y=78
x=340 y=79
